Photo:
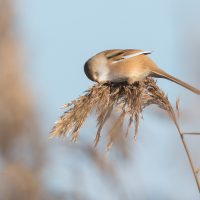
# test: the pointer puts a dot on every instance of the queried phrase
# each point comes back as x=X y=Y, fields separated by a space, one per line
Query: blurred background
x=43 y=47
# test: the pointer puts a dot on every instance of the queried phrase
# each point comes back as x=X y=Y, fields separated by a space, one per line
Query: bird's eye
x=96 y=74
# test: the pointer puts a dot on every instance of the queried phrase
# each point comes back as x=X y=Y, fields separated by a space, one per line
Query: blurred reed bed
x=21 y=152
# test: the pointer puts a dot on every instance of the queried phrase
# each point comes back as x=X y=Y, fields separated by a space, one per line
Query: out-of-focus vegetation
x=21 y=150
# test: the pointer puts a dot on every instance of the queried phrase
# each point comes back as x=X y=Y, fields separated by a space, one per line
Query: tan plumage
x=126 y=65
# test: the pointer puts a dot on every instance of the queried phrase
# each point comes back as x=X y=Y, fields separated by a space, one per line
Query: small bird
x=126 y=65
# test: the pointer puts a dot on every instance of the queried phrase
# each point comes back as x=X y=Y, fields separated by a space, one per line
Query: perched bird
x=129 y=65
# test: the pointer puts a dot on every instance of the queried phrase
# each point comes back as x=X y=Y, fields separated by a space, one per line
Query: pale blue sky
x=59 y=36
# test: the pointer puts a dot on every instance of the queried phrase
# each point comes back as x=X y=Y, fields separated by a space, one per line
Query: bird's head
x=97 y=69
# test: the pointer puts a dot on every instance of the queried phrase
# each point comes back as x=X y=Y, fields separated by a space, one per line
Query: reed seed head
x=129 y=100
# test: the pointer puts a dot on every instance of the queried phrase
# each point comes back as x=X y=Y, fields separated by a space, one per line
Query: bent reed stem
x=192 y=133
x=190 y=160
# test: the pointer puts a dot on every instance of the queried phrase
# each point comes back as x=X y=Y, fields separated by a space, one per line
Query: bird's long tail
x=162 y=74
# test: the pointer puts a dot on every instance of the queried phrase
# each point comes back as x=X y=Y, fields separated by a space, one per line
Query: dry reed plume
x=128 y=100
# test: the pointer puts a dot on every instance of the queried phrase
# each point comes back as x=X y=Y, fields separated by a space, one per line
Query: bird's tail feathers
x=162 y=74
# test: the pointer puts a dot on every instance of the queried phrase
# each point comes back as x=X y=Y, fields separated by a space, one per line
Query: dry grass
x=128 y=100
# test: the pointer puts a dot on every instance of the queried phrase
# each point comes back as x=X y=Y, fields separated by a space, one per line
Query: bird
x=127 y=65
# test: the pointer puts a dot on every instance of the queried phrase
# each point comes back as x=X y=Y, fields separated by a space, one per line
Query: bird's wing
x=116 y=56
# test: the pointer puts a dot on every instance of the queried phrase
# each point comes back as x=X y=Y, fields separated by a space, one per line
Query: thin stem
x=191 y=133
x=190 y=160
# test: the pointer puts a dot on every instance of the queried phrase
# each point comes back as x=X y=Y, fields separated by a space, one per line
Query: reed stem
x=195 y=173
